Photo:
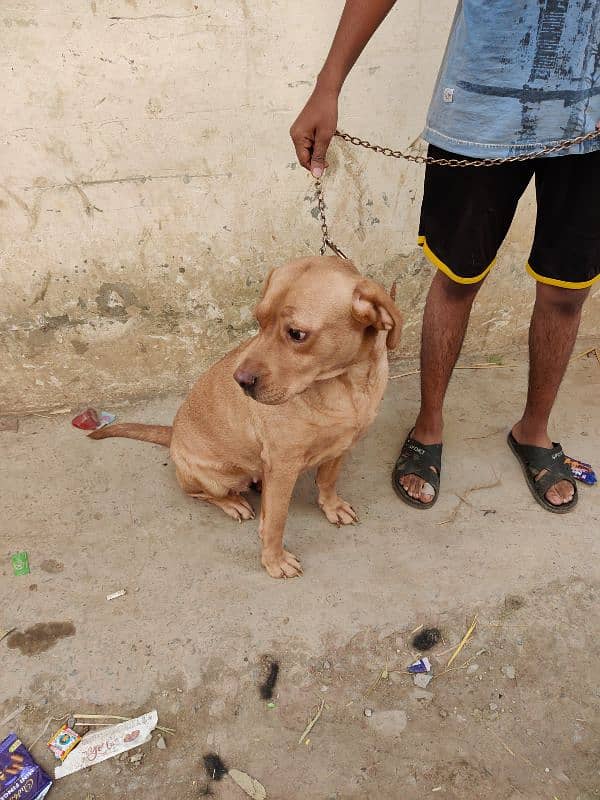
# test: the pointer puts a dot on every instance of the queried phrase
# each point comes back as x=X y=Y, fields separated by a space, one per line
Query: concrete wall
x=147 y=183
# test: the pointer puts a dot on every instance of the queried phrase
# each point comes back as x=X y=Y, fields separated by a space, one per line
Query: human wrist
x=329 y=82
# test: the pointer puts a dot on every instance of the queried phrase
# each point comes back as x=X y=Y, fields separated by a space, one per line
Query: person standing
x=517 y=77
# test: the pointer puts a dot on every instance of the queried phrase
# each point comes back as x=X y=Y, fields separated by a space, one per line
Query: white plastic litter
x=97 y=746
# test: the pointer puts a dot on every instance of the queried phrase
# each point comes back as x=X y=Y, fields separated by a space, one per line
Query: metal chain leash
x=326 y=241
x=565 y=144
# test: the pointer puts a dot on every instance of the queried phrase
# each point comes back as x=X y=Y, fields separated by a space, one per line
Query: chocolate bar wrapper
x=20 y=777
x=581 y=471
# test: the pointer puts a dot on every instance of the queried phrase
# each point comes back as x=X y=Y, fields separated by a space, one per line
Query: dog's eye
x=296 y=335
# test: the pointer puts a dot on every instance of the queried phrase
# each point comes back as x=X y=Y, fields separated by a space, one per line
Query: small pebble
x=509 y=671
x=493 y=707
x=422 y=680
x=324 y=688
x=422 y=694
x=161 y=744
x=326 y=665
x=547 y=769
x=136 y=758
x=368 y=712
x=472 y=669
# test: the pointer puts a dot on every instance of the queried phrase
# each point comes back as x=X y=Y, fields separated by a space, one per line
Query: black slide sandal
x=535 y=459
x=417 y=459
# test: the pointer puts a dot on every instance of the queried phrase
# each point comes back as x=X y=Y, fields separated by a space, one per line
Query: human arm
x=314 y=128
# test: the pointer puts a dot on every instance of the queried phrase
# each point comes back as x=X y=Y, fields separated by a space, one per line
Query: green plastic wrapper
x=20 y=563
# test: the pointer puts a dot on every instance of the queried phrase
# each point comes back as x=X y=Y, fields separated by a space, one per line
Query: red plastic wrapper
x=87 y=420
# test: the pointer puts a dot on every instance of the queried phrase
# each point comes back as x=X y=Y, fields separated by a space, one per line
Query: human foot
x=416 y=474
x=562 y=491
x=546 y=473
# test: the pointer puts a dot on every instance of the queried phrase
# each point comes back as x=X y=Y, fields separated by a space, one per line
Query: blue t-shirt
x=518 y=75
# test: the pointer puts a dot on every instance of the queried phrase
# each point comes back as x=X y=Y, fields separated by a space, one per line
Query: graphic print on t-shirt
x=524 y=73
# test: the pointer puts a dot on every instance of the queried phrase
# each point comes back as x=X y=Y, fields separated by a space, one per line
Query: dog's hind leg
x=337 y=511
x=217 y=494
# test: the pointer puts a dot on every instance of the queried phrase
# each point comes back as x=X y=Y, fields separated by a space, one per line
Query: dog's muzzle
x=247 y=380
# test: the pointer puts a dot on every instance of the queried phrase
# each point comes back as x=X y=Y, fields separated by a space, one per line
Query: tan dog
x=312 y=380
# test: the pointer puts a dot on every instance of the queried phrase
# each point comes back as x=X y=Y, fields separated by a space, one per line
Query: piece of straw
x=383 y=675
x=114 y=716
x=463 y=499
x=463 y=641
x=508 y=750
x=588 y=352
x=470 y=366
x=313 y=722
x=4 y=634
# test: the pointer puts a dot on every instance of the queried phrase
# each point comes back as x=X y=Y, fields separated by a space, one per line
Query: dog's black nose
x=246 y=380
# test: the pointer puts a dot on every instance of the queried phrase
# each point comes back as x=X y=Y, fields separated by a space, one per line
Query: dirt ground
x=518 y=716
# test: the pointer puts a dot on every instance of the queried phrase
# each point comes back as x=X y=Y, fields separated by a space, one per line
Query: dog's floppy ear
x=373 y=307
x=262 y=307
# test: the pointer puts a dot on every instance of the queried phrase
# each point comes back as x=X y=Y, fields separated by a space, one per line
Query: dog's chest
x=345 y=413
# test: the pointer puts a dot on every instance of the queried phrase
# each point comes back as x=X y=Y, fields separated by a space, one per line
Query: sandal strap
x=551 y=459
x=551 y=478
x=418 y=459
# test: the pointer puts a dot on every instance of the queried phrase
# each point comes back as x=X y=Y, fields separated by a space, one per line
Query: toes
x=232 y=512
x=566 y=491
x=552 y=496
x=416 y=488
x=346 y=516
x=560 y=493
x=242 y=509
x=340 y=513
x=291 y=567
x=285 y=566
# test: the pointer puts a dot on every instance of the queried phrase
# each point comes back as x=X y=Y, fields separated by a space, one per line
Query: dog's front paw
x=281 y=565
x=338 y=511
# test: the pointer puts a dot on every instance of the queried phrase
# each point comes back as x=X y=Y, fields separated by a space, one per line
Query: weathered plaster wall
x=147 y=183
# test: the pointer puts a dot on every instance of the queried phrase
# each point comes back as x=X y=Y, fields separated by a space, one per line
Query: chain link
x=326 y=242
x=565 y=144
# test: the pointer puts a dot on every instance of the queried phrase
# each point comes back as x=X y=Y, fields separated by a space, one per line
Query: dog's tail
x=157 y=434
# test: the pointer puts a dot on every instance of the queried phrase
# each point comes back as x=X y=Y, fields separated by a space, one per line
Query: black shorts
x=467 y=211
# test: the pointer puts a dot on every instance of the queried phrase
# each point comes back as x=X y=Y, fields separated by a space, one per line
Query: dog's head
x=317 y=317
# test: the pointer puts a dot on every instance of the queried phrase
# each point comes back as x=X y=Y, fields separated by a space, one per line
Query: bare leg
x=276 y=495
x=234 y=505
x=335 y=509
x=552 y=334
x=445 y=321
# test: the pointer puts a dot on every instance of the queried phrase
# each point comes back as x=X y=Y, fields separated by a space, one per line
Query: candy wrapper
x=581 y=471
x=63 y=741
x=97 y=746
x=422 y=665
x=20 y=777
x=86 y=421
x=20 y=563
x=91 y=420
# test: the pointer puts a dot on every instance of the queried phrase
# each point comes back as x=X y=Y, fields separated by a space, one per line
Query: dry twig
x=469 y=366
x=463 y=641
x=313 y=722
x=462 y=499
x=114 y=716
